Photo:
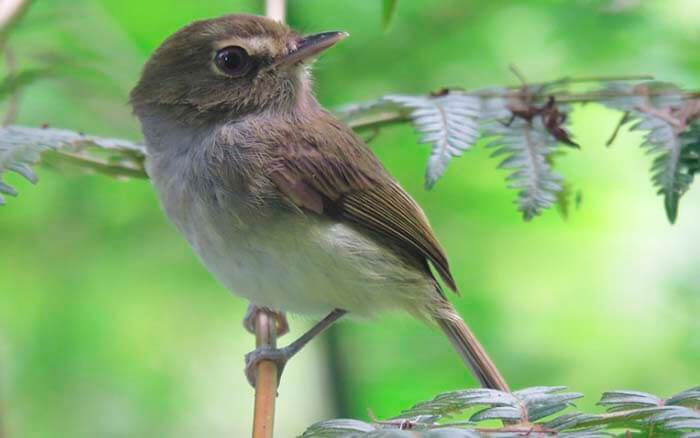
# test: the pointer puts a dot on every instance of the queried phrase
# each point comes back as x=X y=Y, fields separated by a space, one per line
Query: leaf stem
x=102 y=167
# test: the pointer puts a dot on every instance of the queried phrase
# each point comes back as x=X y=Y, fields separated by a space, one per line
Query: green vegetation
x=110 y=327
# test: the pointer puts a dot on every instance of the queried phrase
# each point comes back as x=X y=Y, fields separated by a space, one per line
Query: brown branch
x=266 y=379
x=266 y=325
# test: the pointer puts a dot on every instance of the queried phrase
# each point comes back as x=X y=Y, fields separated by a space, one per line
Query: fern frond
x=527 y=147
x=526 y=405
x=450 y=122
x=21 y=148
x=651 y=107
x=628 y=413
x=626 y=400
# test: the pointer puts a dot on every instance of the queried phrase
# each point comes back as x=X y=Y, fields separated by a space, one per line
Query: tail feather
x=471 y=351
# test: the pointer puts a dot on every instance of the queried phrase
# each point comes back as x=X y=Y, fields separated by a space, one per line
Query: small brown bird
x=281 y=201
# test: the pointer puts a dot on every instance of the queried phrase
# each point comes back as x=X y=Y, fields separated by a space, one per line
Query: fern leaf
x=689 y=398
x=388 y=12
x=650 y=105
x=626 y=400
x=450 y=122
x=628 y=412
x=526 y=147
x=21 y=148
x=339 y=427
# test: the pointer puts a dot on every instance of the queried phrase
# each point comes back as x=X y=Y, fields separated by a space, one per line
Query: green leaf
x=389 y=10
x=630 y=413
x=16 y=81
x=339 y=427
x=625 y=400
x=21 y=148
x=526 y=147
x=449 y=122
x=674 y=164
x=689 y=398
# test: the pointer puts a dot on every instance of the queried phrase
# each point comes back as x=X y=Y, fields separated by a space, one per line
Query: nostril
x=293 y=45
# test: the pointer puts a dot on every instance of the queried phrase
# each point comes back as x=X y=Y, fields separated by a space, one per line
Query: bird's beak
x=310 y=46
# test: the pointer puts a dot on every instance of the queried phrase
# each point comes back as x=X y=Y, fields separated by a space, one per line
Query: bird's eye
x=233 y=61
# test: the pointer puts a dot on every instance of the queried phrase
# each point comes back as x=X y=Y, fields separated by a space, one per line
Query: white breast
x=305 y=265
x=298 y=263
x=288 y=261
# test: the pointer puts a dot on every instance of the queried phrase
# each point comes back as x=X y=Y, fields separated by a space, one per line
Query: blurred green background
x=109 y=327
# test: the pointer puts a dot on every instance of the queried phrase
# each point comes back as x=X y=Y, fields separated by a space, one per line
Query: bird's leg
x=252 y=312
x=281 y=355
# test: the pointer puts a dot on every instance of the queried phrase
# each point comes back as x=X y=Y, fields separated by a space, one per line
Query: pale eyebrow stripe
x=255 y=46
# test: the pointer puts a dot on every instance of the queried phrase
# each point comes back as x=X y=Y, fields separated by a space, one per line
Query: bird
x=281 y=201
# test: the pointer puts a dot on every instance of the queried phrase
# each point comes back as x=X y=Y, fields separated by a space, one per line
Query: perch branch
x=266 y=382
x=265 y=324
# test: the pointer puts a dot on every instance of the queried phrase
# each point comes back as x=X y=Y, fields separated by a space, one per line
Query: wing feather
x=338 y=176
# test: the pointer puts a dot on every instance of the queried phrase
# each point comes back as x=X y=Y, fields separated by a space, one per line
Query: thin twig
x=10 y=13
x=266 y=326
x=115 y=170
x=373 y=121
x=13 y=104
x=518 y=74
x=266 y=378
x=275 y=9
x=623 y=120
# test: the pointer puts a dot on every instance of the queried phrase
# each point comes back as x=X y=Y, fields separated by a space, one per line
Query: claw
x=251 y=313
x=279 y=356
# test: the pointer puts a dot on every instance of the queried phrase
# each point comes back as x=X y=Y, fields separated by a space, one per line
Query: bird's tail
x=471 y=351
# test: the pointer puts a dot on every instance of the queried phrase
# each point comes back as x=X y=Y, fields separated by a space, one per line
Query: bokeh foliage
x=109 y=326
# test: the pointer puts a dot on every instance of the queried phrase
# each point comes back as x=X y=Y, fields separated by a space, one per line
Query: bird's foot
x=252 y=312
x=279 y=356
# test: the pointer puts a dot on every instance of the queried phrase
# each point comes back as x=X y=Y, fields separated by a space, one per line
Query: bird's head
x=236 y=64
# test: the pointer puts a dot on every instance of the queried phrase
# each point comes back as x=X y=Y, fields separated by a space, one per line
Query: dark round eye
x=233 y=61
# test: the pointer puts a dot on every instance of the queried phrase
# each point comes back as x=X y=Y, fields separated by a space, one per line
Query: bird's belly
x=304 y=264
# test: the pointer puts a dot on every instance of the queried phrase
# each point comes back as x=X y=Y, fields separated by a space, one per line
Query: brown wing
x=331 y=172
